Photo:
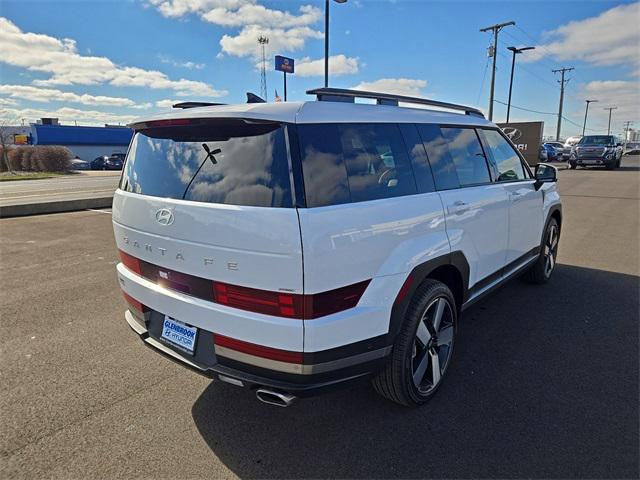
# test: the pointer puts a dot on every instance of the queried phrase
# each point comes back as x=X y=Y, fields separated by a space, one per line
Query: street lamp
x=584 y=125
x=513 y=66
x=326 y=40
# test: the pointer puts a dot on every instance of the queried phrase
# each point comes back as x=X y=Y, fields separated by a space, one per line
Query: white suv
x=294 y=247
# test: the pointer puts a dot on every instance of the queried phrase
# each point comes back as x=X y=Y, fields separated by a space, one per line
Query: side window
x=467 y=155
x=354 y=162
x=325 y=178
x=418 y=155
x=377 y=162
x=444 y=171
x=504 y=157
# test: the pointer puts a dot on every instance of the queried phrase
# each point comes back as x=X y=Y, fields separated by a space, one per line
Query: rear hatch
x=211 y=199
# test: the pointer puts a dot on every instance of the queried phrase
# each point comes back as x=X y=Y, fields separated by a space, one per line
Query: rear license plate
x=179 y=334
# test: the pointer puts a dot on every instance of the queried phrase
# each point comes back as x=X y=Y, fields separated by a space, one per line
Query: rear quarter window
x=344 y=163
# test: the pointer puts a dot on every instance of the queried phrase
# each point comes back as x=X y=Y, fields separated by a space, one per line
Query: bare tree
x=6 y=137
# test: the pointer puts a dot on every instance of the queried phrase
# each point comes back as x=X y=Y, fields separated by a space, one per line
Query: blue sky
x=112 y=61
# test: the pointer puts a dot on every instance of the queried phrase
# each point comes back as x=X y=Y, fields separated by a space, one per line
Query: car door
x=476 y=210
x=525 y=201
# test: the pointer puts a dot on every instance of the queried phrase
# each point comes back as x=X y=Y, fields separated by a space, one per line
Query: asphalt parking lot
x=544 y=383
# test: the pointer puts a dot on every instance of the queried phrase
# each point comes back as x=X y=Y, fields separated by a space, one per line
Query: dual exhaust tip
x=272 y=397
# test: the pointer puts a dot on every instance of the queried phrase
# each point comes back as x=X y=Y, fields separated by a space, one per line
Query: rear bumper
x=356 y=368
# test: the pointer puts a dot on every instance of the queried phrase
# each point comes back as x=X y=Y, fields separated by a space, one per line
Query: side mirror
x=545 y=174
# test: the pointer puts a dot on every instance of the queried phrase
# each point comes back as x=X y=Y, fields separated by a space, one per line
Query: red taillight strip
x=132 y=263
x=258 y=350
x=135 y=303
x=279 y=304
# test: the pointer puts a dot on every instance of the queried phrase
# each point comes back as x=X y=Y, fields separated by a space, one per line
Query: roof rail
x=345 y=95
x=195 y=104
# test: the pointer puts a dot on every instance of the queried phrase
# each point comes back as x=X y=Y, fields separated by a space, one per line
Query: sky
x=92 y=62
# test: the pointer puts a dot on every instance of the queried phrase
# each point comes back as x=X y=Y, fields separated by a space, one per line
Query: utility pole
x=610 y=110
x=513 y=66
x=586 y=111
x=562 y=81
x=494 y=52
x=326 y=40
x=262 y=41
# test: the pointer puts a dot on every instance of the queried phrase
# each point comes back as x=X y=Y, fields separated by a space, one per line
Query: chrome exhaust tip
x=275 y=398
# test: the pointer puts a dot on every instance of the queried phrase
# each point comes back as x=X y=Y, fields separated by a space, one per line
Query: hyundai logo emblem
x=513 y=133
x=164 y=216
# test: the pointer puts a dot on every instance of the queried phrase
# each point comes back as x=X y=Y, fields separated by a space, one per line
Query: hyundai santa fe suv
x=294 y=247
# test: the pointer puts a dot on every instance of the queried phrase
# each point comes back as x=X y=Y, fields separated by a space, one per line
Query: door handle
x=515 y=196
x=458 y=207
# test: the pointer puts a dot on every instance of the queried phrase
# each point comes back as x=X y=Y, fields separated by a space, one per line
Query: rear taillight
x=130 y=262
x=261 y=301
x=258 y=350
x=332 y=301
x=138 y=306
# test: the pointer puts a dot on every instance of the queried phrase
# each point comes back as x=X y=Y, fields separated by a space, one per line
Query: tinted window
x=504 y=157
x=597 y=140
x=372 y=157
x=419 y=160
x=444 y=171
x=325 y=176
x=231 y=163
x=467 y=155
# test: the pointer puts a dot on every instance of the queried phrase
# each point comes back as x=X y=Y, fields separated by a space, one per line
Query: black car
x=106 y=162
x=604 y=150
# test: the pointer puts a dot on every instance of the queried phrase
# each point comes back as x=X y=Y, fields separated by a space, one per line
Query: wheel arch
x=451 y=269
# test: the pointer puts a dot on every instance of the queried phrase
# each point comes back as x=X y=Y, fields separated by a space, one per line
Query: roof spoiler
x=195 y=104
x=345 y=95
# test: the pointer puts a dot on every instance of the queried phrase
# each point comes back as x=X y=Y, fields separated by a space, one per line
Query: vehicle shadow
x=544 y=384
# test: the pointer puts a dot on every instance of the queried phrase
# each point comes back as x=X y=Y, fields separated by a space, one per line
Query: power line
x=484 y=76
x=526 y=109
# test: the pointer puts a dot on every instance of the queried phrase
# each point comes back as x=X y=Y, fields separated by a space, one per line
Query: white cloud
x=67 y=116
x=611 y=93
x=167 y=103
x=287 y=32
x=338 y=65
x=182 y=64
x=5 y=102
x=400 y=86
x=60 y=59
x=37 y=94
x=611 y=38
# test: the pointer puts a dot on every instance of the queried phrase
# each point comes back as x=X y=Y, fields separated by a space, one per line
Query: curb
x=25 y=209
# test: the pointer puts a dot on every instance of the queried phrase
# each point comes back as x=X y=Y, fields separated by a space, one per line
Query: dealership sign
x=284 y=64
x=526 y=136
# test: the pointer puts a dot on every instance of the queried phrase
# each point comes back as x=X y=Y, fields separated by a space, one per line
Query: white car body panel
x=525 y=218
x=477 y=225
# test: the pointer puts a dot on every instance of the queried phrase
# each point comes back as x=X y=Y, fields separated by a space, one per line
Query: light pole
x=326 y=40
x=586 y=111
x=513 y=66
x=610 y=110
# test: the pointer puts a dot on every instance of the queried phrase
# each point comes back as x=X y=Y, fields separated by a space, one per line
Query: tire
x=431 y=310
x=611 y=165
x=541 y=271
x=572 y=165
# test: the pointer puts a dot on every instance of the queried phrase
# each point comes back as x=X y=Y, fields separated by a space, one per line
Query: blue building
x=86 y=143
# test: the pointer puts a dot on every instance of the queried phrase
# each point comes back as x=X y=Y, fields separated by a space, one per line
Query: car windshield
x=597 y=140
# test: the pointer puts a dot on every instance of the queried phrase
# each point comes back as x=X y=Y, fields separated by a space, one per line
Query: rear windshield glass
x=228 y=162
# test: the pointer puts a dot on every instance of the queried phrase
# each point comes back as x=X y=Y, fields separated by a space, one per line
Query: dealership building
x=86 y=143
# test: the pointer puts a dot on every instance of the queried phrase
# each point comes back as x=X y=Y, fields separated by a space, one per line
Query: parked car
x=105 y=162
x=570 y=142
x=78 y=164
x=550 y=153
x=632 y=148
x=559 y=150
x=299 y=246
x=603 y=150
